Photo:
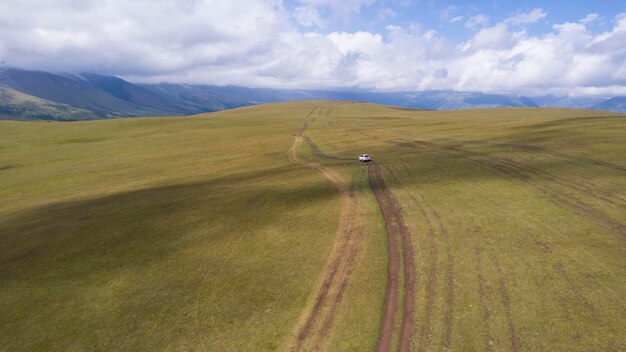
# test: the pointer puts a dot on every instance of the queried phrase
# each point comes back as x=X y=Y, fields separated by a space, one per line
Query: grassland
x=199 y=233
x=15 y=105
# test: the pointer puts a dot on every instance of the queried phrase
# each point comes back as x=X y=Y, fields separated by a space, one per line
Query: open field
x=255 y=230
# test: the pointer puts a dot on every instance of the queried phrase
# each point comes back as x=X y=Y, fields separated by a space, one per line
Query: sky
x=529 y=47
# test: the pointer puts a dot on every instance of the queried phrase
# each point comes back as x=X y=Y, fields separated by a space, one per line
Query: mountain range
x=38 y=95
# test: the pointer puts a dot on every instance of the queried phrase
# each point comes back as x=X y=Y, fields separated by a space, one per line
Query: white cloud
x=308 y=16
x=429 y=34
x=263 y=43
x=590 y=18
x=527 y=17
x=479 y=20
x=139 y=37
x=404 y=3
x=456 y=19
x=357 y=43
x=494 y=37
x=343 y=9
x=448 y=12
x=386 y=13
x=620 y=22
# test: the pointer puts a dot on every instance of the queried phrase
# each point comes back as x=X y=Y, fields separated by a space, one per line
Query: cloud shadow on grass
x=93 y=235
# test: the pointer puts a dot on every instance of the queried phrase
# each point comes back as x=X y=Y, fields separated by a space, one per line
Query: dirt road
x=398 y=238
x=317 y=320
x=319 y=316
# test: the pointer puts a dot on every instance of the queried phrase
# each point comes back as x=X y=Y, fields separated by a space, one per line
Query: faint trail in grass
x=318 y=318
x=514 y=170
x=573 y=287
x=569 y=157
x=506 y=302
x=449 y=280
x=586 y=210
x=486 y=314
x=525 y=172
x=431 y=281
x=505 y=298
x=435 y=225
x=317 y=152
x=354 y=228
x=431 y=292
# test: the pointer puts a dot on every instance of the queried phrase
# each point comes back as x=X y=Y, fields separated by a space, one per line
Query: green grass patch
x=198 y=233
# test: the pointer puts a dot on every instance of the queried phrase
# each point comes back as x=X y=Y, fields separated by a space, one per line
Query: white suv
x=365 y=158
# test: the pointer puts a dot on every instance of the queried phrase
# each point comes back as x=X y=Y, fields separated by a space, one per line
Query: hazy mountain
x=16 y=105
x=132 y=93
x=569 y=102
x=613 y=104
x=44 y=95
x=205 y=97
x=450 y=100
x=105 y=97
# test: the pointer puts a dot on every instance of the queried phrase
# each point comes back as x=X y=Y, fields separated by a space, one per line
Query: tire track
x=319 y=316
x=505 y=297
x=436 y=227
x=574 y=158
x=449 y=313
x=506 y=302
x=524 y=173
x=391 y=296
x=581 y=186
x=353 y=243
x=398 y=235
x=482 y=293
x=317 y=152
x=573 y=290
x=482 y=285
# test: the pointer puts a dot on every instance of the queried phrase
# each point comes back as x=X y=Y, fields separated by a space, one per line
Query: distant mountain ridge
x=104 y=96
x=16 y=105
x=613 y=104
x=32 y=95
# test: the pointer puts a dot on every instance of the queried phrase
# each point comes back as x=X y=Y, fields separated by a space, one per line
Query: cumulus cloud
x=266 y=43
x=479 y=20
x=494 y=37
x=308 y=16
x=527 y=17
x=456 y=19
x=590 y=18
x=386 y=13
x=448 y=12
x=343 y=9
x=139 y=37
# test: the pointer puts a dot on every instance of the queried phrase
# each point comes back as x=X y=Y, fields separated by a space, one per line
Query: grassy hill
x=16 y=105
x=207 y=233
x=100 y=96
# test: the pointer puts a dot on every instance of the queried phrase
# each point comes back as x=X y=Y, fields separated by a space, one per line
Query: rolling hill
x=20 y=106
x=104 y=97
x=256 y=229
x=110 y=97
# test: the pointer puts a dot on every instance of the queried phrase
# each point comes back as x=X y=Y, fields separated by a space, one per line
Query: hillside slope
x=123 y=100
x=110 y=97
x=256 y=229
x=16 y=105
